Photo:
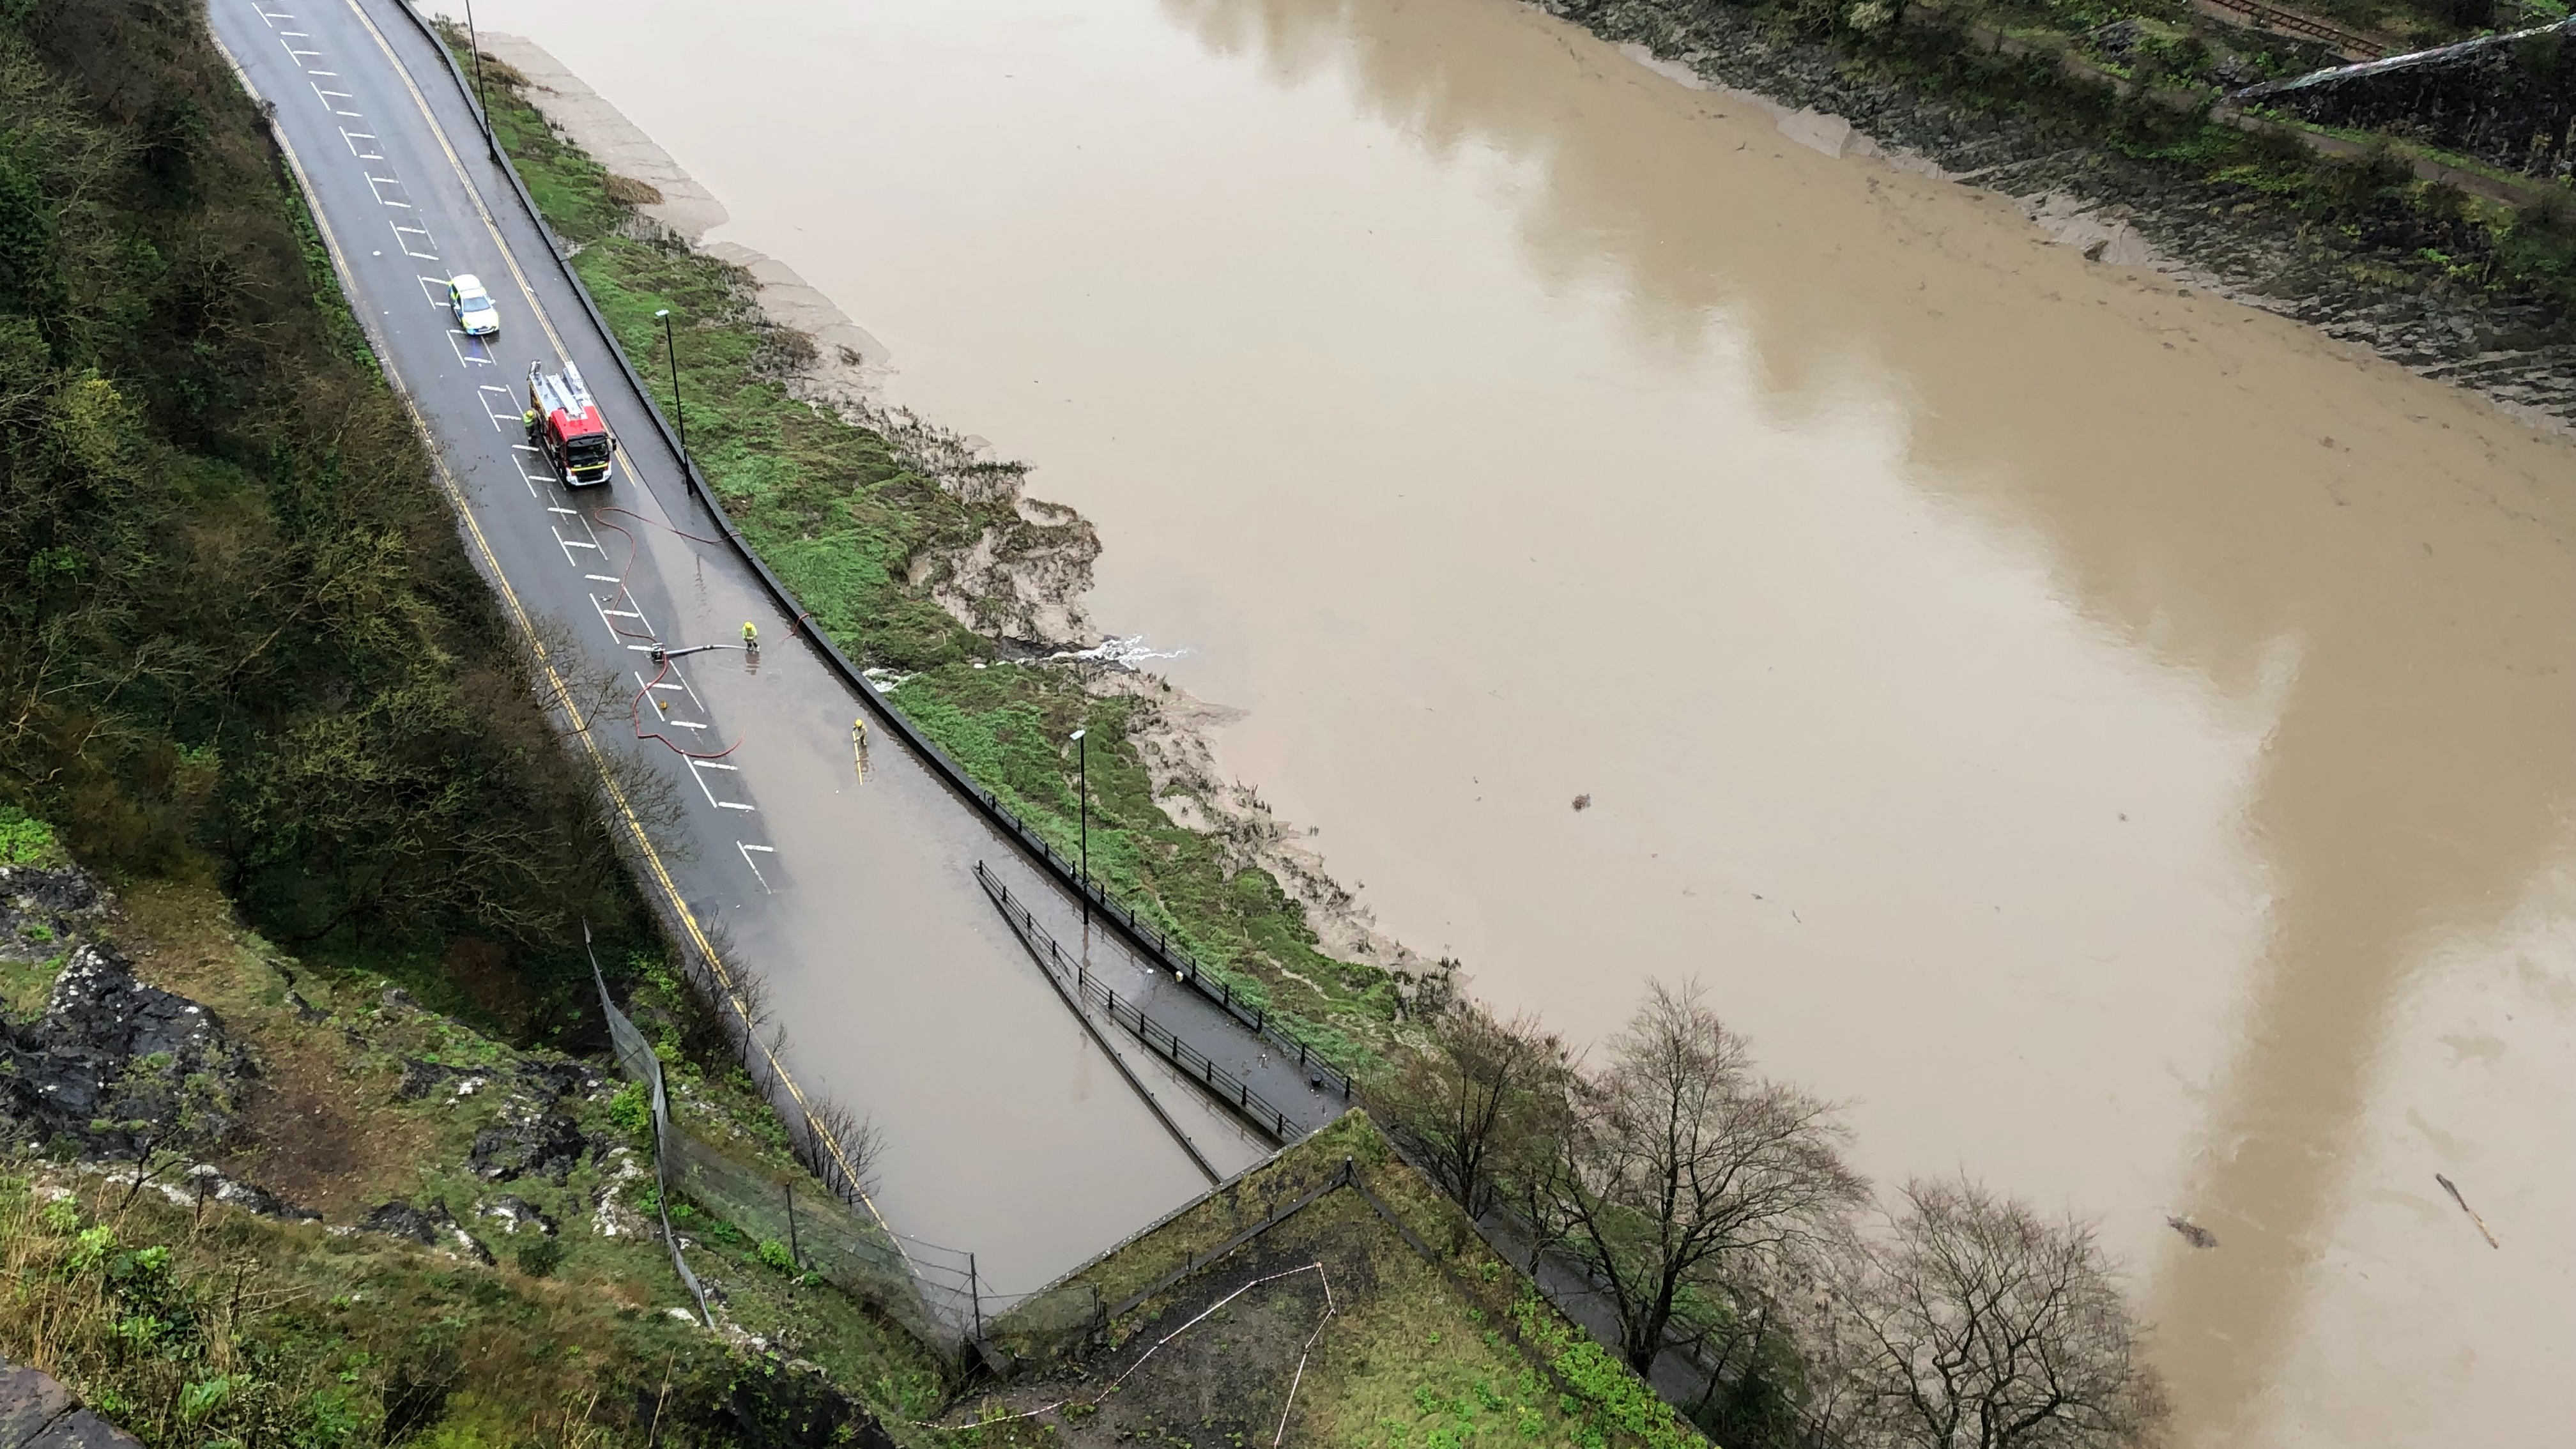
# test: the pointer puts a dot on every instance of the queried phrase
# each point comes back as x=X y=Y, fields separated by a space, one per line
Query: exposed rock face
x=42 y=910
x=37 y=1412
x=431 y=1227
x=516 y=1213
x=114 y=1064
x=533 y=1135
x=2509 y=100
x=546 y=1144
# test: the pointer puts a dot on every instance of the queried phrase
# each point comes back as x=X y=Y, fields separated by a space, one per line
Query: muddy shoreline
x=2517 y=353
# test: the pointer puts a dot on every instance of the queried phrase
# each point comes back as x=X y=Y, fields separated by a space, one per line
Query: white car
x=475 y=314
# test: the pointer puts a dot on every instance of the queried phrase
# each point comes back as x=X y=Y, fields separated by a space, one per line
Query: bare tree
x=1680 y=1161
x=1475 y=1097
x=1985 y=1326
x=839 y=1145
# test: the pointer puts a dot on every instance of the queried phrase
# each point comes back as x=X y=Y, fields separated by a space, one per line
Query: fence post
x=795 y=1253
x=975 y=1297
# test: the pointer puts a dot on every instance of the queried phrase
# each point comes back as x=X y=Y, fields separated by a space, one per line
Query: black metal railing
x=1128 y=1012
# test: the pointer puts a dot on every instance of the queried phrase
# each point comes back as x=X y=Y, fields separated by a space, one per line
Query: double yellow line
x=654 y=866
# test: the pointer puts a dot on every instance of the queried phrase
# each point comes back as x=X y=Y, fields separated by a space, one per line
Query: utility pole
x=679 y=413
x=1083 y=793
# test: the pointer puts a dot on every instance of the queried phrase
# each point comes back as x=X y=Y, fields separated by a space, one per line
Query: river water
x=2116 y=739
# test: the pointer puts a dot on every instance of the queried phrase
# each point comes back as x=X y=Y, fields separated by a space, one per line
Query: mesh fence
x=930 y=1291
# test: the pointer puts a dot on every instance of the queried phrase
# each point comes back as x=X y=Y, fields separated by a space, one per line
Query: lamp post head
x=1078 y=734
x=662 y=312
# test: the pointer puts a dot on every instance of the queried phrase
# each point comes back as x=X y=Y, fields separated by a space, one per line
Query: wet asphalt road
x=901 y=990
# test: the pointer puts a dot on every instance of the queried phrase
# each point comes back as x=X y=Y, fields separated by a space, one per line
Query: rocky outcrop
x=432 y=1226
x=37 y=1412
x=115 y=1065
x=43 y=911
x=2508 y=100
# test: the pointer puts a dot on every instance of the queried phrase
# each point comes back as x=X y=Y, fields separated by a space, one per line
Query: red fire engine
x=565 y=425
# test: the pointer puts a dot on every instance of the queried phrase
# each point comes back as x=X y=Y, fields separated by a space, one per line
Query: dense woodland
x=238 y=625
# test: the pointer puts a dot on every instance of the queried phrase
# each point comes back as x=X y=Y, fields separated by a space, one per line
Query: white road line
x=686 y=724
x=401 y=231
x=680 y=683
x=568 y=546
x=566 y=512
x=713 y=765
x=703 y=790
x=377 y=184
x=602 y=579
x=641 y=648
x=755 y=865
x=729 y=805
x=469 y=350
x=333 y=74
x=523 y=447
x=621 y=613
x=353 y=138
x=763 y=849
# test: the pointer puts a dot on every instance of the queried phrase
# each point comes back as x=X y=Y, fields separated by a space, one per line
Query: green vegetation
x=1439 y=1345
x=238 y=623
x=251 y=678
x=858 y=520
x=191 y=1323
x=26 y=840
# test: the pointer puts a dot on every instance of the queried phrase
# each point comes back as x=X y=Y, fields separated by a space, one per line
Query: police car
x=475 y=314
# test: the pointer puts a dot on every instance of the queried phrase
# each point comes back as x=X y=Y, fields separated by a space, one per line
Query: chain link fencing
x=928 y=1290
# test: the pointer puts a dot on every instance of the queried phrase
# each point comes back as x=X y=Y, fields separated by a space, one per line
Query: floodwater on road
x=2117 y=740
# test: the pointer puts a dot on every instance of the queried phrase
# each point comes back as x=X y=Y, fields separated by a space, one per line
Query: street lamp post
x=474 y=46
x=679 y=413
x=1082 y=757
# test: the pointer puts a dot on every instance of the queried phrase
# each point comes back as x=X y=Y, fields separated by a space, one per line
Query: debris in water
x=2472 y=1212
x=1582 y=802
x=2192 y=1232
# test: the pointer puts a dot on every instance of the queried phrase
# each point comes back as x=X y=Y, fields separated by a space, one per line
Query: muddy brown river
x=2116 y=739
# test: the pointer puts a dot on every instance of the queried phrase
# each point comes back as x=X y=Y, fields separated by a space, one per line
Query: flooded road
x=2114 y=738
